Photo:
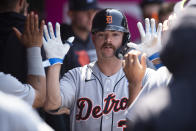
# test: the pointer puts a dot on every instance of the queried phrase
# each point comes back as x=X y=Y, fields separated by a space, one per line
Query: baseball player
x=99 y=93
x=34 y=91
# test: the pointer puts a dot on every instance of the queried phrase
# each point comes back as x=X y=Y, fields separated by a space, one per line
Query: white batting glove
x=53 y=46
x=151 y=39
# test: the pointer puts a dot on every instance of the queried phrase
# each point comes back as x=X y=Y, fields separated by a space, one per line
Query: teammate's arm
x=32 y=40
x=134 y=71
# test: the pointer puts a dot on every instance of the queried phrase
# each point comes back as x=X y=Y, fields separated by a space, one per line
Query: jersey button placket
x=108 y=116
x=108 y=85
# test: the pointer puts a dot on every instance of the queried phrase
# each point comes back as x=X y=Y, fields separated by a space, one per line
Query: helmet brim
x=111 y=28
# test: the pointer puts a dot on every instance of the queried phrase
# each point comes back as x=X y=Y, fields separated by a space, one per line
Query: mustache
x=108 y=44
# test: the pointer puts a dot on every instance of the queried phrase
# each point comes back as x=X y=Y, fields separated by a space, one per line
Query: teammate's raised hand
x=134 y=70
x=32 y=36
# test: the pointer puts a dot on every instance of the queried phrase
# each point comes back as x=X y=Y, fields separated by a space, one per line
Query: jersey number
x=122 y=124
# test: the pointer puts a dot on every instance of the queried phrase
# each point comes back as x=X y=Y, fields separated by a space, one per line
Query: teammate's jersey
x=159 y=79
x=82 y=52
x=97 y=102
x=17 y=115
x=11 y=85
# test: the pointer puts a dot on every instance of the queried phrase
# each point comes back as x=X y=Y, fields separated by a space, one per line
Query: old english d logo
x=108 y=19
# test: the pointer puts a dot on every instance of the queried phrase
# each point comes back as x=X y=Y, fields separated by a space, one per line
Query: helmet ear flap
x=126 y=38
x=123 y=49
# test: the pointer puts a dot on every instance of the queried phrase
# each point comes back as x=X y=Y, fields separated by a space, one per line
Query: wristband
x=154 y=56
x=34 y=61
x=158 y=65
x=52 y=61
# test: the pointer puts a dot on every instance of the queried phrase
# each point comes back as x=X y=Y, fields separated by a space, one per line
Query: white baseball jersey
x=97 y=102
x=10 y=85
x=16 y=115
x=160 y=78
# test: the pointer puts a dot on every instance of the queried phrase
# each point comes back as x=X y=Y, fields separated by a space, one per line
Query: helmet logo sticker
x=108 y=19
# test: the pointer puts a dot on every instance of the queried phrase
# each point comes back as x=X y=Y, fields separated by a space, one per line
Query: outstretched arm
x=134 y=71
x=55 y=52
x=32 y=40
